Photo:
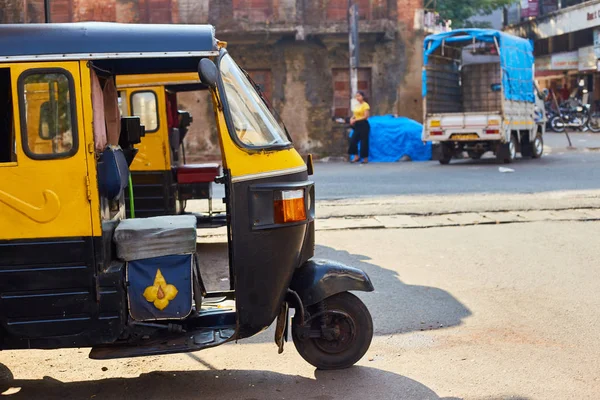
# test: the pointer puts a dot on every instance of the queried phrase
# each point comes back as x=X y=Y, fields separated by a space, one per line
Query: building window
x=263 y=78
x=144 y=105
x=253 y=10
x=341 y=89
x=541 y=47
x=583 y=38
x=47 y=106
x=560 y=43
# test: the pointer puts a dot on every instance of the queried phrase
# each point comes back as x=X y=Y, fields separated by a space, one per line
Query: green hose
x=131 y=207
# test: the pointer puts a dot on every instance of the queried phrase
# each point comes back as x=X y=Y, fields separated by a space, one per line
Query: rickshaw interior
x=163 y=181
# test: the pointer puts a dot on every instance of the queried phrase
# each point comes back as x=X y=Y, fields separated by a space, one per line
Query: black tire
x=322 y=353
x=447 y=153
x=511 y=150
x=537 y=148
x=594 y=122
x=557 y=124
x=474 y=155
x=6 y=378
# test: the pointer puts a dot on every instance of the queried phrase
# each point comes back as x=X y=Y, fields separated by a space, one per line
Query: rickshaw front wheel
x=6 y=378
x=339 y=332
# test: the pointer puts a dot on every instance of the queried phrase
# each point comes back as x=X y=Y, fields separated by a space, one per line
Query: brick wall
x=222 y=13
x=296 y=44
x=406 y=12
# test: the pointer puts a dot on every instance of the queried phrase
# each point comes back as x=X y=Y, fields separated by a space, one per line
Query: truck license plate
x=465 y=136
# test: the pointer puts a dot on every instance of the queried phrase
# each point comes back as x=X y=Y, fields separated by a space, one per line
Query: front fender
x=318 y=279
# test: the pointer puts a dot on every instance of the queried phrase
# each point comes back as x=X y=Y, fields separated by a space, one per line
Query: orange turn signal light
x=288 y=206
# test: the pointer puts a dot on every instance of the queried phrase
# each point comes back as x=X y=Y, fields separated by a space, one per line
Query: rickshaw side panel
x=56 y=287
x=49 y=297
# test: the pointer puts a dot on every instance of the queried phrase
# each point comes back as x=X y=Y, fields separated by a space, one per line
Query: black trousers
x=361 y=134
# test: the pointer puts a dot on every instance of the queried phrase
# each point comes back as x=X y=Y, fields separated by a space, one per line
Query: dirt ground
x=480 y=312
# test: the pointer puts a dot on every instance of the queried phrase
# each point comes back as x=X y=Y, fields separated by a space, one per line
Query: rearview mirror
x=207 y=70
x=131 y=132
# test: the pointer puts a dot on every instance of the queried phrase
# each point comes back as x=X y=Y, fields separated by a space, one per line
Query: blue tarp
x=391 y=138
x=516 y=58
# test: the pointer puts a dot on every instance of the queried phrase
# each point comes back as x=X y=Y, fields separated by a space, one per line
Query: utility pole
x=47 y=10
x=353 y=48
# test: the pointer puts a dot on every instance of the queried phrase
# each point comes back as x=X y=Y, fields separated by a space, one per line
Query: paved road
x=477 y=313
x=559 y=169
x=562 y=169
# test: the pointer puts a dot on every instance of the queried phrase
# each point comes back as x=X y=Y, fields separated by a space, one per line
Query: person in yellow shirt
x=361 y=126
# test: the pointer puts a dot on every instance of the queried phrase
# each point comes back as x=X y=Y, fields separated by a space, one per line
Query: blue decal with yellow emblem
x=160 y=288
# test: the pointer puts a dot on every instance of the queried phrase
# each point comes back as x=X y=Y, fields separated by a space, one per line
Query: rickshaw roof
x=104 y=40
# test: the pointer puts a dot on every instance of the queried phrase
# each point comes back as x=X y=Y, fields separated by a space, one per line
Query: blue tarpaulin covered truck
x=479 y=95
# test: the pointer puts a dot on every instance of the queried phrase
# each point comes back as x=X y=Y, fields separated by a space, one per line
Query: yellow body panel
x=154 y=152
x=45 y=198
x=144 y=80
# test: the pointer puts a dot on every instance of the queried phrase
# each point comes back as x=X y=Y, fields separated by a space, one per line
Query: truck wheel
x=447 y=152
x=474 y=155
x=335 y=341
x=538 y=146
x=508 y=152
x=512 y=150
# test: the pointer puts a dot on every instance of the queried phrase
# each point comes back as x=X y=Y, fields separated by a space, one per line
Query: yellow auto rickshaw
x=163 y=181
x=75 y=272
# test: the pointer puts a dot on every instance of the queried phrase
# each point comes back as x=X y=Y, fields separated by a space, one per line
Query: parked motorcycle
x=550 y=114
x=575 y=117
x=575 y=113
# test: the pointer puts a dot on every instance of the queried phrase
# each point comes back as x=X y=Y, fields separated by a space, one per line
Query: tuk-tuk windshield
x=254 y=124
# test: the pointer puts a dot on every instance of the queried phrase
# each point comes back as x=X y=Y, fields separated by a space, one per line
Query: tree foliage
x=460 y=11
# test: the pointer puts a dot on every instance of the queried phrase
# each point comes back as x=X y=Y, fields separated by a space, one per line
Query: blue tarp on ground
x=391 y=138
x=516 y=58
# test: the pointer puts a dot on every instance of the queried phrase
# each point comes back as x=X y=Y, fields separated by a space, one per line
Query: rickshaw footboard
x=192 y=341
